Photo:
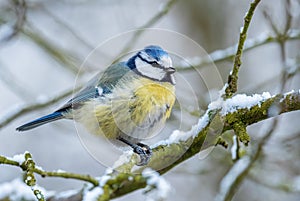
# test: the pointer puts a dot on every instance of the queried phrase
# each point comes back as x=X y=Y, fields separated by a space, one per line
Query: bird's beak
x=170 y=70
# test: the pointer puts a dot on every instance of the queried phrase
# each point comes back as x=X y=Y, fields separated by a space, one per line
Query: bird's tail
x=40 y=121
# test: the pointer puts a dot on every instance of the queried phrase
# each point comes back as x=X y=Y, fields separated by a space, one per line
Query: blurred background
x=48 y=48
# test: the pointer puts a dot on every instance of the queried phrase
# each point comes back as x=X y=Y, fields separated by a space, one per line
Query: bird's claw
x=145 y=152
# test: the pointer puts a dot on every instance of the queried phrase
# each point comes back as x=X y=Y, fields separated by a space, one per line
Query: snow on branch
x=183 y=145
x=229 y=52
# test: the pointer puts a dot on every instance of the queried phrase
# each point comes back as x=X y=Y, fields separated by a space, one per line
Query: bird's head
x=154 y=63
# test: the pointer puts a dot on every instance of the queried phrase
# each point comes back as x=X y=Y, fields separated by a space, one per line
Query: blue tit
x=126 y=103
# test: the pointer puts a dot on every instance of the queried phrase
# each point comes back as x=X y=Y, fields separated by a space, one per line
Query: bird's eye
x=155 y=64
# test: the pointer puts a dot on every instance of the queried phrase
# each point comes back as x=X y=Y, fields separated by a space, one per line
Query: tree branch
x=21 y=159
x=233 y=76
x=181 y=146
x=166 y=8
x=18 y=111
x=229 y=53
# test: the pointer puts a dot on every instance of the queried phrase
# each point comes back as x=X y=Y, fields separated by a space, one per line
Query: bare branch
x=228 y=53
x=19 y=8
x=18 y=111
x=233 y=76
x=195 y=139
x=43 y=173
x=148 y=24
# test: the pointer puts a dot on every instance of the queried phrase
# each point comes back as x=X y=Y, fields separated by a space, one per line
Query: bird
x=126 y=103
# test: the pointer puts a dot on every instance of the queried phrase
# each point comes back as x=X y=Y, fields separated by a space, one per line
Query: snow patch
x=178 y=136
x=65 y=194
x=60 y=171
x=191 y=61
x=104 y=179
x=241 y=29
x=242 y=101
x=124 y=158
x=227 y=181
x=93 y=194
x=154 y=180
x=20 y=158
x=16 y=190
x=234 y=148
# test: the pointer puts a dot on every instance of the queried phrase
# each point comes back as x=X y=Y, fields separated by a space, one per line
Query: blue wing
x=100 y=85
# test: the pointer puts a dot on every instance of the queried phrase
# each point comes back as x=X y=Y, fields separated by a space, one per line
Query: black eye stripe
x=152 y=63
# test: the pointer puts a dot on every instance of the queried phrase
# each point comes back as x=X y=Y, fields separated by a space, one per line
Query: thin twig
x=67 y=60
x=20 y=9
x=229 y=53
x=13 y=83
x=233 y=76
x=25 y=109
x=172 y=151
x=70 y=30
x=43 y=173
x=148 y=24
x=236 y=175
x=239 y=171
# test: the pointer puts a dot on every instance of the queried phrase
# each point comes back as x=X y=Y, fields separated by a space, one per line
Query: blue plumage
x=40 y=121
x=126 y=103
x=155 y=51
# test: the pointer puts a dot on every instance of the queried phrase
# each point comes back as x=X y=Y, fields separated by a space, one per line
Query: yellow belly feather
x=138 y=114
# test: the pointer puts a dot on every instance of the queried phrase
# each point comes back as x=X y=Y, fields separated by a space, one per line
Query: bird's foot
x=144 y=152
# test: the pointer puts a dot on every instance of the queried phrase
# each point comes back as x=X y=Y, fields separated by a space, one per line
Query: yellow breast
x=154 y=99
x=137 y=111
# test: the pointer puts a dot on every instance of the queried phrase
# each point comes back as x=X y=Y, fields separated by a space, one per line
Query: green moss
x=241 y=131
x=222 y=142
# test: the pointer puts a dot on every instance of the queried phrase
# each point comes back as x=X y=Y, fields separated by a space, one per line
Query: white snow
x=60 y=171
x=17 y=190
x=20 y=158
x=293 y=32
x=234 y=148
x=231 y=176
x=107 y=176
x=241 y=29
x=242 y=101
x=109 y=170
x=220 y=54
x=178 y=136
x=103 y=179
x=191 y=61
x=162 y=187
x=93 y=194
x=65 y=194
x=39 y=167
x=124 y=158
x=231 y=105
x=230 y=51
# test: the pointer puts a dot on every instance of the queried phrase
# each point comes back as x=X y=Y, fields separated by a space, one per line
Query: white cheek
x=148 y=70
x=166 y=61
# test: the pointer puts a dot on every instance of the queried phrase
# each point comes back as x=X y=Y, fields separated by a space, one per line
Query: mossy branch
x=34 y=169
x=166 y=156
